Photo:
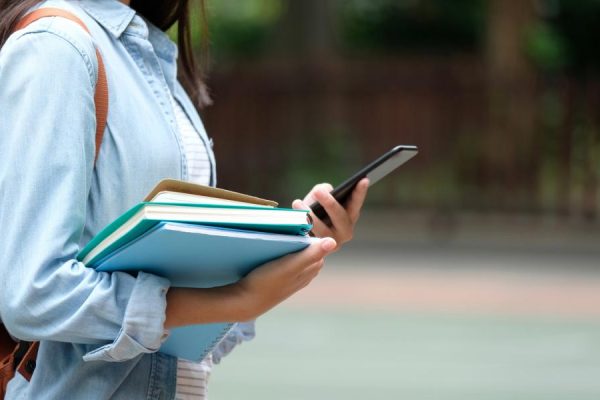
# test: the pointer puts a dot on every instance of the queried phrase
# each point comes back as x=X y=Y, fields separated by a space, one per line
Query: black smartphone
x=374 y=171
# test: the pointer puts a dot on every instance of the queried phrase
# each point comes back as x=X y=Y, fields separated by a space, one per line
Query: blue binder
x=199 y=256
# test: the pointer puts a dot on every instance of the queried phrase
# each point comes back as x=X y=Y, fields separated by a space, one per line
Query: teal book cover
x=199 y=256
x=142 y=223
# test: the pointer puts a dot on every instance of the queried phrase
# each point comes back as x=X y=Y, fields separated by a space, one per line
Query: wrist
x=241 y=305
x=246 y=303
x=188 y=306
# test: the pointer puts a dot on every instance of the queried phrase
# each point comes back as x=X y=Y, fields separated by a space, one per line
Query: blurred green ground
x=498 y=309
x=317 y=354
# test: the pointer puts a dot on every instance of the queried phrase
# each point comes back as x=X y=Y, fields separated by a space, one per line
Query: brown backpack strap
x=101 y=94
x=22 y=356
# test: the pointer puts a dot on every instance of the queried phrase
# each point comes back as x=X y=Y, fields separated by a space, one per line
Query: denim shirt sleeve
x=241 y=332
x=47 y=130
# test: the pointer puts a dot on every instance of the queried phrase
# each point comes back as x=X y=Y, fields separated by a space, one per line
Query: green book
x=176 y=201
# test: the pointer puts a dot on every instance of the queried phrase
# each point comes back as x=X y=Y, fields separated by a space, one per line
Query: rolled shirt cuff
x=241 y=332
x=143 y=329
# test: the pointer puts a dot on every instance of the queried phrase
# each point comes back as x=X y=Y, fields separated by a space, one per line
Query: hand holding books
x=208 y=242
x=275 y=281
x=229 y=257
x=262 y=289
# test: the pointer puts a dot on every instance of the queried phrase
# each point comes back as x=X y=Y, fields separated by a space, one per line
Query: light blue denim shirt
x=99 y=332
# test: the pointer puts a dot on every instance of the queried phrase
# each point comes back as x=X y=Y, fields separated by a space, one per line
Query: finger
x=324 y=186
x=309 y=274
x=310 y=197
x=320 y=229
x=316 y=267
x=340 y=220
x=312 y=269
x=299 y=205
x=357 y=199
x=315 y=252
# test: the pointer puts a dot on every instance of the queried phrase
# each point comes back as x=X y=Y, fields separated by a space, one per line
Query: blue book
x=146 y=215
x=199 y=256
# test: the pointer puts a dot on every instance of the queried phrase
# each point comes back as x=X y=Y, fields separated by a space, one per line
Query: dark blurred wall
x=489 y=90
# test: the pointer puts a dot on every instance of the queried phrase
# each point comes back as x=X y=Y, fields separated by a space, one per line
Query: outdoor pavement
x=473 y=307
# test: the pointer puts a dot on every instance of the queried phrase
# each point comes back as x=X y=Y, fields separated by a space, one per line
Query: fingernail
x=328 y=244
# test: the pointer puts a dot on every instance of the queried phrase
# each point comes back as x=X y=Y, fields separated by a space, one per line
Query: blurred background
x=474 y=270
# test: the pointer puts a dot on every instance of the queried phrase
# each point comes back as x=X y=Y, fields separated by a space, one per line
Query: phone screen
x=375 y=171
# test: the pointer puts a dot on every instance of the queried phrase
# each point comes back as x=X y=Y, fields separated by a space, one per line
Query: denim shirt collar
x=163 y=45
x=112 y=15
x=117 y=18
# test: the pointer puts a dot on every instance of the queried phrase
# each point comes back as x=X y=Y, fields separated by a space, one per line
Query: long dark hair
x=163 y=14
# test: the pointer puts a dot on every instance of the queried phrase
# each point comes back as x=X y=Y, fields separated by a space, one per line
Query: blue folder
x=200 y=257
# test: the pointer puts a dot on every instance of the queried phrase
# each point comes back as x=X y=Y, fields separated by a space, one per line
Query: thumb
x=318 y=249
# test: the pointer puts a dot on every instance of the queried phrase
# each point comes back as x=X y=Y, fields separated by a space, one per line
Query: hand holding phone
x=374 y=171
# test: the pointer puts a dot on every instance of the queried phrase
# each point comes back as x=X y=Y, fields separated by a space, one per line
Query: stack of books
x=201 y=237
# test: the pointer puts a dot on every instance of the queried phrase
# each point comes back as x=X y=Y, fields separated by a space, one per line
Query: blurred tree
x=563 y=46
x=504 y=93
x=307 y=30
x=242 y=30
x=416 y=25
x=578 y=23
x=509 y=158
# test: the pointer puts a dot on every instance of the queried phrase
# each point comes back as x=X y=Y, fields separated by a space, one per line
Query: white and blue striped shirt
x=192 y=377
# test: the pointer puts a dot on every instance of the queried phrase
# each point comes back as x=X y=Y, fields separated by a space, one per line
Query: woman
x=99 y=333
